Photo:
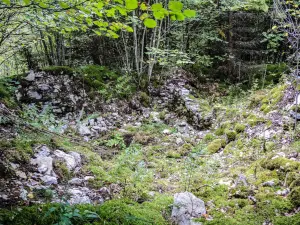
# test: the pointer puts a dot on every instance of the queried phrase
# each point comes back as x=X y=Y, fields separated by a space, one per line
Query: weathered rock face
x=177 y=94
x=186 y=208
x=64 y=93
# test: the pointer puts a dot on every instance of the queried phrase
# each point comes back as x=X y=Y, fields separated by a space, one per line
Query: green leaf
x=156 y=6
x=159 y=15
x=99 y=5
x=180 y=16
x=131 y=4
x=173 y=17
x=189 y=13
x=144 y=16
x=150 y=23
x=6 y=2
x=129 y=29
x=26 y=2
x=43 y=5
x=143 y=6
x=122 y=11
x=110 y=12
x=63 y=5
x=101 y=23
x=175 y=6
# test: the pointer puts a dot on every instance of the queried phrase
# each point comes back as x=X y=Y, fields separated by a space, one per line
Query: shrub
x=208 y=137
x=145 y=99
x=219 y=131
x=216 y=145
x=231 y=135
x=239 y=128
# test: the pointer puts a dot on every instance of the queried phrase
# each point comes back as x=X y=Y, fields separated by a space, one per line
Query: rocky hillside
x=172 y=156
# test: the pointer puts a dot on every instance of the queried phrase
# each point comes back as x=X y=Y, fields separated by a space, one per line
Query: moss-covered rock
x=281 y=163
x=253 y=120
x=294 y=196
x=145 y=99
x=216 y=145
x=173 y=154
x=239 y=128
x=208 y=137
x=219 y=131
x=230 y=135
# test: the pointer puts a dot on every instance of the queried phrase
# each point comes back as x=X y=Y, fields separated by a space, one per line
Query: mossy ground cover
x=151 y=162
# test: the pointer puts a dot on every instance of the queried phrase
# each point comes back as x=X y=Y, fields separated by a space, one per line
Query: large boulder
x=186 y=208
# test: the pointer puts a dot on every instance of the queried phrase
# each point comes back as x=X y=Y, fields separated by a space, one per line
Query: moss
x=121 y=211
x=62 y=171
x=185 y=149
x=145 y=99
x=294 y=196
x=257 y=98
x=230 y=134
x=269 y=146
x=291 y=177
x=239 y=128
x=253 y=120
x=281 y=163
x=226 y=125
x=216 y=145
x=208 y=137
x=162 y=115
x=220 y=131
x=59 y=70
x=173 y=154
x=229 y=148
x=266 y=175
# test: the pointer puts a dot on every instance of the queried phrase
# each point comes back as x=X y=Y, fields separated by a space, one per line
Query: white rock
x=78 y=197
x=84 y=130
x=48 y=180
x=186 y=207
x=166 y=131
x=44 y=151
x=34 y=95
x=76 y=181
x=89 y=178
x=30 y=76
x=179 y=141
x=21 y=174
x=44 y=164
x=69 y=159
x=77 y=157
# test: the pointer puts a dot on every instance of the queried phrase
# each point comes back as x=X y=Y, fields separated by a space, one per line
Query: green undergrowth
x=114 y=212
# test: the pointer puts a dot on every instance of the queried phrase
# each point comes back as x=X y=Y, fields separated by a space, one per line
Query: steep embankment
x=240 y=159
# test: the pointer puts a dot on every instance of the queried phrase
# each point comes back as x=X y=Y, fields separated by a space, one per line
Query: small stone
x=87 y=178
x=44 y=164
x=44 y=151
x=75 y=181
x=166 y=131
x=30 y=76
x=43 y=87
x=283 y=192
x=49 y=180
x=186 y=207
x=34 y=95
x=84 y=130
x=21 y=174
x=270 y=183
x=179 y=141
x=70 y=160
x=23 y=194
x=78 y=196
